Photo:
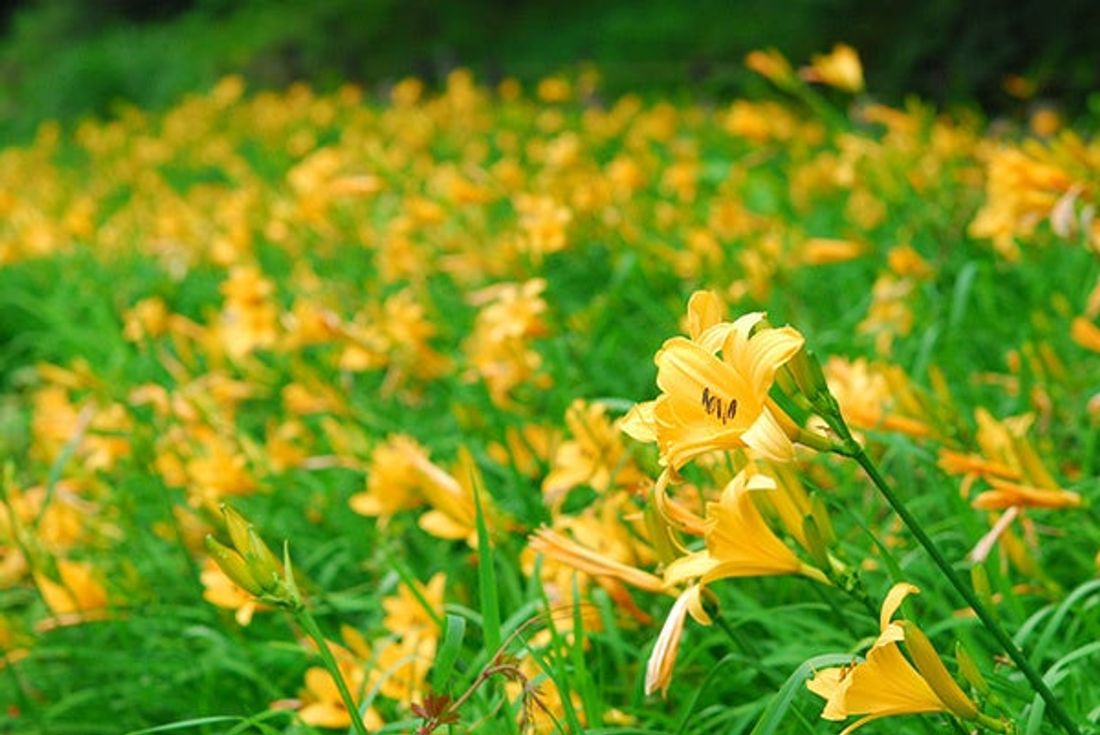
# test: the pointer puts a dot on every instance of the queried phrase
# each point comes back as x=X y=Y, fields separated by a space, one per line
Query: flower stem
x=991 y=624
x=306 y=621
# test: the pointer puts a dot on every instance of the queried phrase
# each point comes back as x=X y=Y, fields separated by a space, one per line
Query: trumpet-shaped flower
x=710 y=402
x=739 y=541
x=886 y=683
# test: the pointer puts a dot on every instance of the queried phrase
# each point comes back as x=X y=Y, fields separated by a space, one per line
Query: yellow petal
x=894 y=598
x=767 y=437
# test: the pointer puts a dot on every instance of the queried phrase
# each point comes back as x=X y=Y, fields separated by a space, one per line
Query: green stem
x=991 y=624
x=306 y=621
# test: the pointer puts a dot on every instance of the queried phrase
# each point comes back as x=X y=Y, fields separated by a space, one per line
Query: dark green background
x=68 y=58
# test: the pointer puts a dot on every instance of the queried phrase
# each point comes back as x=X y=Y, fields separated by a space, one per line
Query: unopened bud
x=233 y=566
x=237 y=527
x=968 y=669
x=931 y=668
x=808 y=375
x=815 y=542
x=262 y=563
x=979 y=579
x=820 y=512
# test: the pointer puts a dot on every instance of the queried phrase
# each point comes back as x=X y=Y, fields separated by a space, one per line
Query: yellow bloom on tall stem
x=887 y=684
x=739 y=541
x=710 y=402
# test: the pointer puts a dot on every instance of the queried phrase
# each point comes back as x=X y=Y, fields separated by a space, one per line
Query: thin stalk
x=306 y=621
x=991 y=624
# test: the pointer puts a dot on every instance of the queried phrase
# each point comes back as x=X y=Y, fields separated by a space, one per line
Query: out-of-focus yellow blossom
x=1024 y=187
x=147 y=319
x=393 y=479
x=1086 y=334
x=220 y=591
x=76 y=595
x=542 y=223
x=499 y=349
x=771 y=63
x=320 y=702
x=595 y=456
x=872 y=396
x=250 y=318
x=821 y=251
x=839 y=68
x=528 y=448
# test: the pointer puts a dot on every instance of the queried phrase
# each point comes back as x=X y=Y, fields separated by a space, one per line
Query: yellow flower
x=1010 y=494
x=839 y=68
x=771 y=64
x=824 y=250
x=595 y=456
x=1086 y=334
x=321 y=703
x=76 y=596
x=739 y=541
x=554 y=545
x=886 y=684
x=658 y=670
x=393 y=479
x=221 y=591
x=713 y=403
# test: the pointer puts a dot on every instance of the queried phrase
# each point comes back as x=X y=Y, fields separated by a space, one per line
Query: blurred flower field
x=493 y=409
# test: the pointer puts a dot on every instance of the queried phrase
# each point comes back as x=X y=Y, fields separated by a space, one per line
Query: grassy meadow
x=456 y=410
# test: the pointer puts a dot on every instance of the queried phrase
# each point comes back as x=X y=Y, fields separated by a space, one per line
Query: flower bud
x=265 y=568
x=233 y=566
x=815 y=542
x=931 y=668
x=969 y=670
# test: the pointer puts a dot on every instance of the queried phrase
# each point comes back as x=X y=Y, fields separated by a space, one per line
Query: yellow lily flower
x=886 y=684
x=713 y=403
x=839 y=68
x=739 y=541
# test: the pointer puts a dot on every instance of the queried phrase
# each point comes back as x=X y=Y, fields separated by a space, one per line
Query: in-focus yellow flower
x=710 y=402
x=739 y=541
x=886 y=684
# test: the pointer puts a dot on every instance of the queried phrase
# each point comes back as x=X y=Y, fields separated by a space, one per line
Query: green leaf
x=777 y=708
x=486 y=572
x=453 y=635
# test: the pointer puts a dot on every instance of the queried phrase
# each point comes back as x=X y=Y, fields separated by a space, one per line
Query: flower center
x=717 y=407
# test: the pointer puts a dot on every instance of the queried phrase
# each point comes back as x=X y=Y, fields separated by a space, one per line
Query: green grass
x=165 y=660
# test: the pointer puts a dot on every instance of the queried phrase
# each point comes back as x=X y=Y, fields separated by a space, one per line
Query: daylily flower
x=739 y=541
x=839 y=68
x=658 y=670
x=713 y=403
x=886 y=683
